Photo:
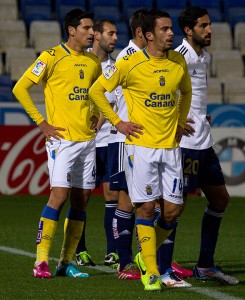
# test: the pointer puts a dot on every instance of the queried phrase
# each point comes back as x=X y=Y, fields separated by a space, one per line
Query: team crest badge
x=162 y=80
x=81 y=74
x=148 y=190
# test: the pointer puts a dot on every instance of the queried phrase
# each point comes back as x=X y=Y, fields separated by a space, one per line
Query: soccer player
x=150 y=79
x=124 y=219
x=105 y=37
x=201 y=165
x=66 y=72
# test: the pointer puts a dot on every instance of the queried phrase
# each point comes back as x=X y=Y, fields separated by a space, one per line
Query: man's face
x=163 y=35
x=108 y=38
x=201 y=33
x=84 y=33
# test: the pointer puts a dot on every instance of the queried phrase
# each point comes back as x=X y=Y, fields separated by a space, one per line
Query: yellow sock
x=161 y=234
x=72 y=233
x=46 y=232
x=147 y=240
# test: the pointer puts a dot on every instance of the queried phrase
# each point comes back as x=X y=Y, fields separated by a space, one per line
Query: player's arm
x=21 y=92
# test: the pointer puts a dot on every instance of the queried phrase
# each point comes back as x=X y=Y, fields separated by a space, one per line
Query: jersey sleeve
x=21 y=92
x=40 y=68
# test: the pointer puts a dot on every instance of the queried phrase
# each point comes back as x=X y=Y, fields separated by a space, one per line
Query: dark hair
x=149 y=23
x=188 y=17
x=73 y=17
x=99 y=25
x=137 y=19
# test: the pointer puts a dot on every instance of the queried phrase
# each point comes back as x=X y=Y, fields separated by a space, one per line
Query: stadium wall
x=23 y=159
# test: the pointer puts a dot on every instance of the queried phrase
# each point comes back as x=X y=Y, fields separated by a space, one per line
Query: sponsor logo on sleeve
x=39 y=67
x=109 y=72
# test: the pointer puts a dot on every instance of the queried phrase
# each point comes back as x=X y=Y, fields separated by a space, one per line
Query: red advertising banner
x=23 y=161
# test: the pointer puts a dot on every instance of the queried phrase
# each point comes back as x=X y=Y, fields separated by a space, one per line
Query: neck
x=138 y=42
x=101 y=54
x=74 y=46
x=196 y=47
x=156 y=52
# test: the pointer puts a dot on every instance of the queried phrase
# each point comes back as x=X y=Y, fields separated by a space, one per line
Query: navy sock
x=209 y=235
x=123 y=224
x=82 y=243
x=165 y=251
x=110 y=208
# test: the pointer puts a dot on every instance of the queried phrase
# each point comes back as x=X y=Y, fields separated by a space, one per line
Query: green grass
x=19 y=216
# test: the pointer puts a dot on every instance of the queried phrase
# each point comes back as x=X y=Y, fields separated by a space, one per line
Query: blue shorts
x=116 y=167
x=102 y=172
x=201 y=168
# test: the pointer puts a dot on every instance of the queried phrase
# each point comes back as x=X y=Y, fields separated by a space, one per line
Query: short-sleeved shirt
x=67 y=76
x=197 y=68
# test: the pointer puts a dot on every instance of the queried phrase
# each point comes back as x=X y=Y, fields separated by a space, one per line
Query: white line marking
x=204 y=291
x=25 y=253
x=213 y=294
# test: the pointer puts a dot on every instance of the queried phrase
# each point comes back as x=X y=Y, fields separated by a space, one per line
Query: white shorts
x=154 y=173
x=71 y=164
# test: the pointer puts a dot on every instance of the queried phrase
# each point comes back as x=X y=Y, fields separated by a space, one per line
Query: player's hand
x=51 y=131
x=179 y=133
x=94 y=124
x=129 y=129
x=189 y=130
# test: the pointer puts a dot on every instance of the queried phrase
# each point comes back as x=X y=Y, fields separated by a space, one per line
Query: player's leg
x=46 y=230
x=111 y=200
x=190 y=162
x=82 y=256
x=123 y=221
x=123 y=226
x=213 y=186
x=172 y=190
x=142 y=178
x=82 y=178
x=59 y=165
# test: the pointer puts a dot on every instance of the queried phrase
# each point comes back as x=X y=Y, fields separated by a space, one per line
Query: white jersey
x=120 y=106
x=101 y=138
x=197 y=68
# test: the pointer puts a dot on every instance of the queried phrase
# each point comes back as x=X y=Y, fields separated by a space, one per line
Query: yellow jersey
x=150 y=87
x=66 y=76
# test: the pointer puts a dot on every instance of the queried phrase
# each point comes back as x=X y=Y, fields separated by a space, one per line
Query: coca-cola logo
x=23 y=160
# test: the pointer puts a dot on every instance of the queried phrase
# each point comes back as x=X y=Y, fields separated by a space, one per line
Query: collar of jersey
x=70 y=51
x=153 y=57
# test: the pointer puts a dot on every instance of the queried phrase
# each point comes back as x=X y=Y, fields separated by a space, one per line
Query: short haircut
x=150 y=18
x=137 y=19
x=188 y=17
x=99 y=24
x=73 y=17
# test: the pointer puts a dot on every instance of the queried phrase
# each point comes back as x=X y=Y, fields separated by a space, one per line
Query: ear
x=97 y=35
x=149 y=36
x=188 y=31
x=139 y=32
x=71 y=30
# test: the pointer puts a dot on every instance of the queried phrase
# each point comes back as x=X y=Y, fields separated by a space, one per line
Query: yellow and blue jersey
x=66 y=76
x=150 y=87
